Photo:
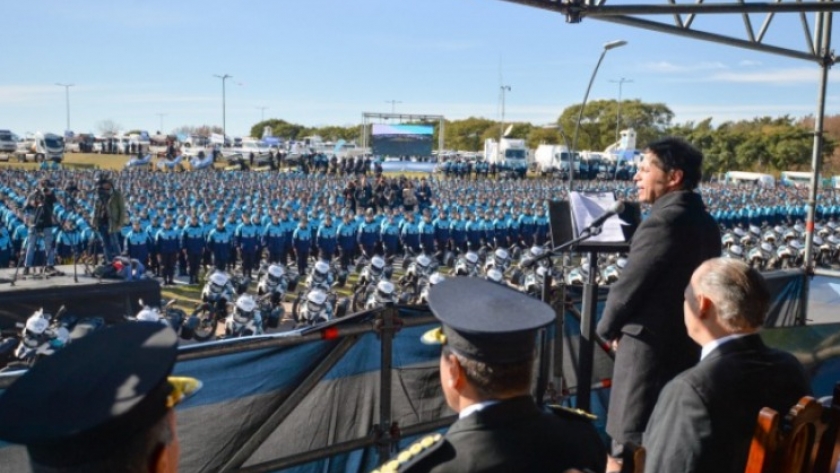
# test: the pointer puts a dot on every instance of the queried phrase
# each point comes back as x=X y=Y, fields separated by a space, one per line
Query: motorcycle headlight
x=314 y=307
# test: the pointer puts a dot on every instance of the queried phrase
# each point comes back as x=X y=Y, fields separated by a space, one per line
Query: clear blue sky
x=319 y=62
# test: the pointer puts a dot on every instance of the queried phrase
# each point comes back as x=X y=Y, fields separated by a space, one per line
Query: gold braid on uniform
x=409 y=453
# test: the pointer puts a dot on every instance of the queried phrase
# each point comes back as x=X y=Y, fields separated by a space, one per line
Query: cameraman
x=39 y=205
x=110 y=216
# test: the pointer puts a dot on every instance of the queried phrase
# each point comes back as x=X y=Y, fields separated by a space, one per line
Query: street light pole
x=607 y=47
x=502 y=89
x=262 y=113
x=620 y=83
x=161 y=115
x=393 y=105
x=67 y=100
x=224 y=125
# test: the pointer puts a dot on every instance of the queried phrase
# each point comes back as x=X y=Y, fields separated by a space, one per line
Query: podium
x=571 y=233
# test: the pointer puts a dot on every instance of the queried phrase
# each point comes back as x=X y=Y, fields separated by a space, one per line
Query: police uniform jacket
x=512 y=436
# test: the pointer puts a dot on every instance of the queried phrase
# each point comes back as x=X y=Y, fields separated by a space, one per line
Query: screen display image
x=402 y=140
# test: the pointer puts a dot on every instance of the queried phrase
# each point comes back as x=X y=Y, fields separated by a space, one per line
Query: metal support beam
x=822 y=37
x=705 y=36
x=597 y=11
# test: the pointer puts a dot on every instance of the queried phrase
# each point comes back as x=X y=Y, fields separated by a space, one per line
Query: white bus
x=736 y=177
x=795 y=178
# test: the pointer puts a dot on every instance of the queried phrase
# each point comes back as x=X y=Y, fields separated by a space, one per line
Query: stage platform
x=110 y=299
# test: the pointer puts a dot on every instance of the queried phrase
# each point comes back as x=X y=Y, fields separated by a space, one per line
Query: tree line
x=764 y=144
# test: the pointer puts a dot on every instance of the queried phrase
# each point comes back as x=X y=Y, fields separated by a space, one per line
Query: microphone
x=616 y=209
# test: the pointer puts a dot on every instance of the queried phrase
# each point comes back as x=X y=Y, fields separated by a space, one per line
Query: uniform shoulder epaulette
x=411 y=454
x=571 y=414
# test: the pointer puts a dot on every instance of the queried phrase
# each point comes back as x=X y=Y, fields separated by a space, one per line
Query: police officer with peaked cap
x=102 y=404
x=488 y=343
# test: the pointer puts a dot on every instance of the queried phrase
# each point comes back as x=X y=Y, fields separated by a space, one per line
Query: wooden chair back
x=804 y=441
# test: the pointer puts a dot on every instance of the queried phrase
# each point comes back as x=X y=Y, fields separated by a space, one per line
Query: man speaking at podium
x=643 y=314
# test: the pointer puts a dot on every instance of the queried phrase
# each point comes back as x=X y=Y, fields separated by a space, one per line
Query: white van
x=763 y=180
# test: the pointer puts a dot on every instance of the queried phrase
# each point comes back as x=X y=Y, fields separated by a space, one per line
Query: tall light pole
x=262 y=113
x=161 y=115
x=607 y=47
x=224 y=125
x=67 y=100
x=502 y=90
x=393 y=105
x=620 y=83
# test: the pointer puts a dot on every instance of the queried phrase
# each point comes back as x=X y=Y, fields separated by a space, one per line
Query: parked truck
x=42 y=147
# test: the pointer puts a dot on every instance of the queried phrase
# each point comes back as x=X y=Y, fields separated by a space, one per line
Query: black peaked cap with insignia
x=485 y=321
x=79 y=404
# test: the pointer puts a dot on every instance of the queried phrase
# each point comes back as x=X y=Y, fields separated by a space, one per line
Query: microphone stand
x=586 y=345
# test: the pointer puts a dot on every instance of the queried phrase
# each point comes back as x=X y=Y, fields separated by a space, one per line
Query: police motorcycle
x=43 y=334
x=419 y=269
x=377 y=270
x=425 y=285
x=317 y=306
x=531 y=277
x=383 y=293
x=828 y=250
x=245 y=319
x=272 y=287
x=468 y=264
x=612 y=270
x=734 y=251
x=218 y=293
x=320 y=302
x=168 y=314
x=759 y=257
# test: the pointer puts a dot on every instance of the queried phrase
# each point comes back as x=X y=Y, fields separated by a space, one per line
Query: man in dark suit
x=489 y=338
x=705 y=417
x=644 y=306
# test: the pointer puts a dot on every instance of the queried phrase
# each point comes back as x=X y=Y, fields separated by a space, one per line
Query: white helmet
x=536 y=251
x=493 y=274
x=148 y=314
x=275 y=273
x=37 y=323
x=315 y=301
x=471 y=258
x=218 y=281
x=385 y=291
x=424 y=261
x=501 y=258
x=245 y=307
x=320 y=271
x=436 y=278
x=377 y=265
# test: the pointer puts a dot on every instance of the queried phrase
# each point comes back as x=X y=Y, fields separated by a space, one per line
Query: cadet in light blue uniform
x=410 y=233
x=302 y=243
x=475 y=232
x=327 y=238
x=248 y=235
x=274 y=238
x=154 y=259
x=289 y=225
x=347 y=239
x=527 y=227
x=219 y=240
x=137 y=243
x=443 y=232
x=369 y=234
x=458 y=228
x=193 y=243
x=168 y=243
x=427 y=232
x=68 y=242
x=6 y=247
x=390 y=235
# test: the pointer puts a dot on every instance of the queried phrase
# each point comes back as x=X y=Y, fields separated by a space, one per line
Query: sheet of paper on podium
x=586 y=207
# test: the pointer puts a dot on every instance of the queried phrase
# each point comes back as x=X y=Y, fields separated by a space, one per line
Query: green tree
x=597 y=125
x=279 y=128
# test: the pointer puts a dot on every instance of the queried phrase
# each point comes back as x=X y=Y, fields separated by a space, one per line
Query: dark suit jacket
x=645 y=307
x=705 y=417
x=514 y=436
